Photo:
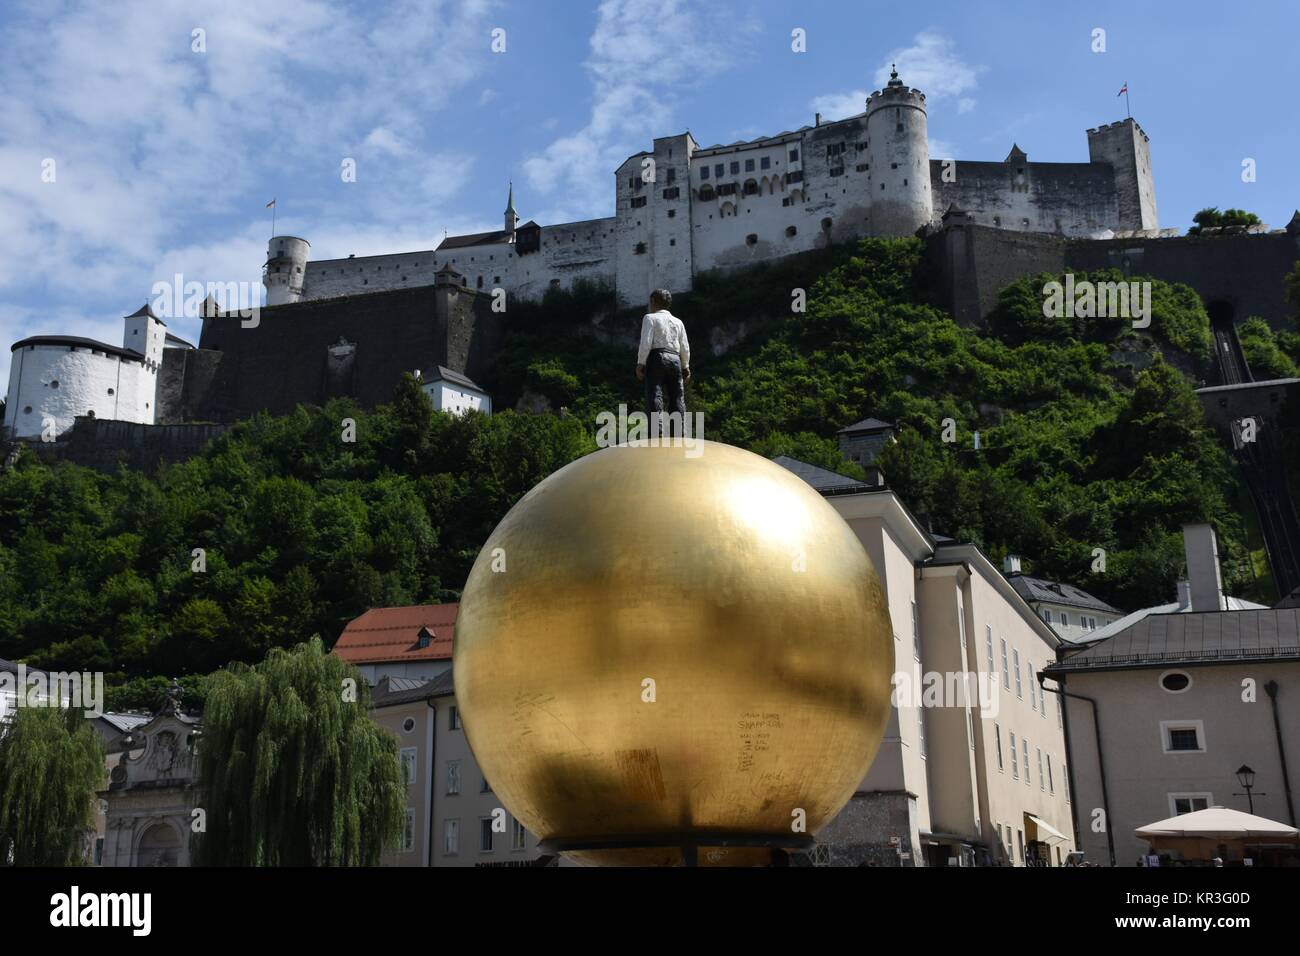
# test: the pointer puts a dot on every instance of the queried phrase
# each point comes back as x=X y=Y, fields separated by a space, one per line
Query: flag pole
x=1127 y=108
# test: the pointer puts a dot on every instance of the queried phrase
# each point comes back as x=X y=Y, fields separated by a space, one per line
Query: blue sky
x=165 y=157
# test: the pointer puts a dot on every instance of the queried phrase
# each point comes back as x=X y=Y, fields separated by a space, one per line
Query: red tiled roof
x=385 y=634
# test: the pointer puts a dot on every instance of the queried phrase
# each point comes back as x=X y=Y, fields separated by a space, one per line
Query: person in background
x=663 y=360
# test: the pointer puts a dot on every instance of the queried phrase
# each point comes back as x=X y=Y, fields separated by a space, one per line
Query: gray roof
x=866 y=425
x=456 y=378
x=821 y=479
x=1195 y=638
x=1052 y=592
x=387 y=693
x=77 y=340
x=125 y=722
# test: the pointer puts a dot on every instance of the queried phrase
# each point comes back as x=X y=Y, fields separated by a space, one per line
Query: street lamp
x=1246 y=777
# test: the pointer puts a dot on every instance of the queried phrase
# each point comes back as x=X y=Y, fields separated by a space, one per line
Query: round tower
x=285 y=269
x=898 y=149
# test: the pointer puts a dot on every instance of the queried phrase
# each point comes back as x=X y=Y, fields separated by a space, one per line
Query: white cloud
x=644 y=54
x=165 y=157
x=931 y=65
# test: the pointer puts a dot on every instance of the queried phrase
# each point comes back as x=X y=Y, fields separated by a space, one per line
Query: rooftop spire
x=510 y=202
x=893 y=75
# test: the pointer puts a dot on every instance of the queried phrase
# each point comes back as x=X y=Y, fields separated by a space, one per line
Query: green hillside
x=1090 y=438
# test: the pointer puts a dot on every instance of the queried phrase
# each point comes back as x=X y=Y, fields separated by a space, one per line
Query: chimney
x=1202 y=550
x=1011 y=564
x=1184 y=594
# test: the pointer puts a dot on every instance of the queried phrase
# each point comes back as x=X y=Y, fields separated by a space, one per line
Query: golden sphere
x=668 y=640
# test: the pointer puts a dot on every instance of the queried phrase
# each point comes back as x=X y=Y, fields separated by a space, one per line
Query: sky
x=141 y=140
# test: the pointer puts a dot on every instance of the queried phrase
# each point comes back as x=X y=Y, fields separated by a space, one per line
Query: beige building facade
x=972 y=769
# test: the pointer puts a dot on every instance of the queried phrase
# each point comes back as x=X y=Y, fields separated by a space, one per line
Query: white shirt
x=663 y=330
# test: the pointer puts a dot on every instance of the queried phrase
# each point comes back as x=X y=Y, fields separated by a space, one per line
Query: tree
x=51 y=764
x=1211 y=218
x=294 y=770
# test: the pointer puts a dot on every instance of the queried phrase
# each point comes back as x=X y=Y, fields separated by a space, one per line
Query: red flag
x=1120 y=93
x=270 y=204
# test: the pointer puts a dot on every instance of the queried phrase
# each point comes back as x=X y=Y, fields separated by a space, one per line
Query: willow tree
x=294 y=771
x=51 y=764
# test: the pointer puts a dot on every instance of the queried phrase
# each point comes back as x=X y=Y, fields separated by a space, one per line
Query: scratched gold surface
x=730 y=584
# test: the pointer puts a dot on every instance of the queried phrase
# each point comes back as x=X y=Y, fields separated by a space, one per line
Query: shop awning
x=1046 y=831
x=1218 y=823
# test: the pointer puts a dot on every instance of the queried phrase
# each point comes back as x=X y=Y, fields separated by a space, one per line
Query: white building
x=55 y=378
x=681 y=209
x=1072 y=612
x=453 y=392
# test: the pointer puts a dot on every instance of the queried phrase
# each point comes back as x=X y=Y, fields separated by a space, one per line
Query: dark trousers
x=664 y=389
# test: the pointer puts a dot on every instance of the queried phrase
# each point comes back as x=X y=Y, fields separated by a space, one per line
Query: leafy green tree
x=51 y=764
x=1210 y=217
x=295 y=772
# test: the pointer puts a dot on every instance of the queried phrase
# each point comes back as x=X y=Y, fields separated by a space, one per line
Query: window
x=1175 y=682
x=408 y=831
x=1047 y=615
x=672 y=175
x=765 y=162
x=988 y=644
x=1051 y=780
x=794 y=176
x=727 y=189
x=640 y=249
x=1042 y=705
x=1020 y=834
x=1033 y=702
x=1006 y=671
x=450 y=837
x=718 y=171
x=111 y=391
x=1042 y=784
x=749 y=165
x=485 y=835
x=453 y=777
x=750 y=188
x=1024 y=752
x=791 y=231
x=407 y=758
x=704 y=172
x=794 y=155
x=54 y=384
x=997 y=736
x=916 y=633
x=485 y=787
x=1015 y=656
x=1065 y=781
x=920 y=726
x=735 y=167
x=839 y=171
x=638 y=201
x=1015 y=760
x=672 y=192
x=1065 y=619
x=1181 y=803
x=518 y=836
x=751 y=239
x=453 y=718
x=1182 y=737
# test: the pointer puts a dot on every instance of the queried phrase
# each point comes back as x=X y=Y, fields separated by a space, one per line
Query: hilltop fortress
x=680 y=209
x=350 y=327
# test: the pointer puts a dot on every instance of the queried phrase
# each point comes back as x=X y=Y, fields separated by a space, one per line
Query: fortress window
x=110 y=391
x=54 y=384
x=794 y=155
x=791 y=231
x=751 y=239
x=640 y=248
x=765 y=162
x=1025 y=223
x=479 y=284
x=735 y=168
x=751 y=187
x=749 y=165
x=706 y=193
x=27 y=410
x=862 y=167
x=794 y=176
x=638 y=202
x=893 y=165
x=496 y=280
x=837 y=171
x=672 y=242
x=997 y=220
x=672 y=175
x=704 y=172
x=898 y=128
x=672 y=192
x=672 y=213
x=826 y=223
x=91 y=413
x=717 y=171
x=904 y=181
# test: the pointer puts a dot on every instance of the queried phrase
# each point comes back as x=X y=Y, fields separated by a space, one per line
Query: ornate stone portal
x=153 y=791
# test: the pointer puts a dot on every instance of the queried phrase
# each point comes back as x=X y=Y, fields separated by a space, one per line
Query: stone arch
x=727 y=209
x=160 y=841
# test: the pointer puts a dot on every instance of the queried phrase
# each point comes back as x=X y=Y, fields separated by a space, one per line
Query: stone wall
x=861 y=833
x=102 y=445
x=973 y=263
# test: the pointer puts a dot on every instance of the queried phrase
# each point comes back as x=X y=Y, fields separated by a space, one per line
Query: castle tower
x=285 y=269
x=1126 y=148
x=144 y=332
x=512 y=217
x=898 y=151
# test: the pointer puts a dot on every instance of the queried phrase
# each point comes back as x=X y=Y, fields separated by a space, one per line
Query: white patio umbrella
x=1218 y=823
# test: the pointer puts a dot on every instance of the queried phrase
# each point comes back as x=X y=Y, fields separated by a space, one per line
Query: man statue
x=663 y=361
